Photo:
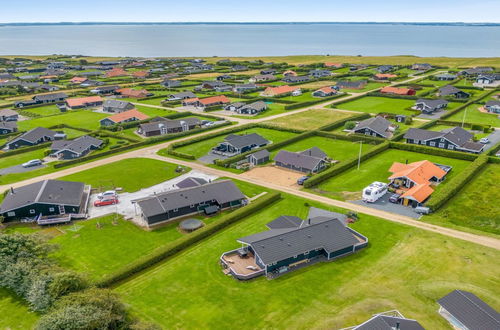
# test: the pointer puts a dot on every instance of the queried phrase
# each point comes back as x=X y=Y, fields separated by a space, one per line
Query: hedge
x=24 y=149
x=344 y=166
x=440 y=197
x=393 y=96
x=433 y=151
x=465 y=105
x=352 y=137
x=171 y=249
x=61 y=126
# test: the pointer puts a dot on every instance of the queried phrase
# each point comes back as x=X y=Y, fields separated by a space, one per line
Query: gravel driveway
x=383 y=204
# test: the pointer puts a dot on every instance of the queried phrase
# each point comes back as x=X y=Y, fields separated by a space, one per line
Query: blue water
x=252 y=40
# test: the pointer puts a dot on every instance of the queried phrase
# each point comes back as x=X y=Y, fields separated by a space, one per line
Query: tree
x=350 y=125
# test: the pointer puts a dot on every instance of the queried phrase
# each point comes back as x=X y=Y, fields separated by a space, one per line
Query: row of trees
x=64 y=298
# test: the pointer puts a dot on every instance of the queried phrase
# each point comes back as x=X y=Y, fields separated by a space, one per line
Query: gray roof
x=385 y=322
x=431 y=103
x=377 y=124
x=223 y=191
x=78 y=145
x=449 y=90
x=48 y=192
x=285 y=221
x=490 y=103
x=315 y=212
x=260 y=154
x=156 y=123
x=351 y=84
x=123 y=105
x=8 y=112
x=10 y=125
x=294 y=79
x=297 y=159
x=257 y=105
x=50 y=97
x=279 y=244
x=446 y=75
x=315 y=152
x=456 y=135
x=190 y=182
x=183 y=95
x=35 y=134
x=421 y=134
x=471 y=311
x=241 y=141
x=106 y=88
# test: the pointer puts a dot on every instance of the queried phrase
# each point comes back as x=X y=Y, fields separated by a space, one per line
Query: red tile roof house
x=140 y=74
x=397 y=90
x=124 y=117
x=324 y=92
x=333 y=65
x=212 y=101
x=281 y=90
x=133 y=93
x=385 y=76
x=84 y=102
x=78 y=80
x=116 y=72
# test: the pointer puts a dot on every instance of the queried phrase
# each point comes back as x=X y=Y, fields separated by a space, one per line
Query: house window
x=442 y=140
x=441 y=145
x=416 y=141
x=422 y=142
x=295 y=257
x=175 y=210
x=451 y=147
x=306 y=253
x=32 y=211
x=11 y=214
x=432 y=144
x=51 y=209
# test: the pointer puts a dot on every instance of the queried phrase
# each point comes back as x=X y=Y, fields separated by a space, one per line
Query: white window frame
x=51 y=209
x=32 y=211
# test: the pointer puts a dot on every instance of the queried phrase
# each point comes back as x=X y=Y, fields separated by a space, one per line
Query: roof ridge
x=487 y=313
x=40 y=192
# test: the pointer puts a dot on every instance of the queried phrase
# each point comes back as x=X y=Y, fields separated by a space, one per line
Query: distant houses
x=206 y=199
x=181 y=96
x=84 y=102
x=429 y=106
x=325 y=92
x=162 y=126
x=133 y=93
x=421 y=66
x=123 y=117
x=234 y=144
x=452 y=91
x=117 y=106
x=247 y=109
x=347 y=84
x=455 y=138
x=208 y=102
x=397 y=90
x=312 y=160
x=42 y=99
x=281 y=90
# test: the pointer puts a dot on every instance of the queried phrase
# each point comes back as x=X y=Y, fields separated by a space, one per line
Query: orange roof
x=48 y=77
x=280 y=90
x=191 y=100
x=140 y=74
x=419 y=192
x=127 y=115
x=116 y=72
x=332 y=64
x=418 y=172
x=386 y=75
x=78 y=80
x=82 y=101
x=290 y=72
x=396 y=90
x=215 y=99
x=134 y=93
x=327 y=89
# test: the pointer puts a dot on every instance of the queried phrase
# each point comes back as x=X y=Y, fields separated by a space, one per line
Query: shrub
x=350 y=124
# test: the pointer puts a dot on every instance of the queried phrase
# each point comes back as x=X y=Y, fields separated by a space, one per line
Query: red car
x=104 y=202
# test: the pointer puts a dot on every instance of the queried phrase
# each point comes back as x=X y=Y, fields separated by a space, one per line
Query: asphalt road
x=20 y=169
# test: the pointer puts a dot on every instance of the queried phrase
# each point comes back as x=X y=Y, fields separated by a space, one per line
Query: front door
x=62 y=210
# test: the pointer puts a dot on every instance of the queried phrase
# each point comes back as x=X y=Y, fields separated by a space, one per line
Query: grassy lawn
x=130 y=174
x=45 y=110
x=317 y=84
x=201 y=148
x=373 y=104
x=348 y=185
x=82 y=119
x=403 y=268
x=369 y=86
x=15 y=314
x=463 y=209
x=437 y=83
x=153 y=112
x=473 y=115
x=21 y=158
x=310 y=119
x=335 y=149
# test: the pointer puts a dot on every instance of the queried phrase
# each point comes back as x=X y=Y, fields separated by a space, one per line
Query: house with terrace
x=384 y=68
x=325 y=91
x=429 y=106
x=397 y=90
x=476 y=71
x=312 y=160
x=49 y=201
x=84 y=102
x=123 y=117
x=247 y=109
x=162 y=126
x=234 y=144
x=492 y=106
x=413 y=182
x=375 y=126
x=70 y=149
x=318 y=73
x=347 y=84
x=116 y=72
x=42 y=99
x=455 y=138
x=33 y=137
x=213 y=84
x=291 y=243
x=117 y=106
x=78 y=80
x=211 y=101
x=181 y=96
x=207 y=199
x=466 y=311
x=452 y=91
x=7 y=127
x=104 y=90
x=384 y=76
x=281 y=90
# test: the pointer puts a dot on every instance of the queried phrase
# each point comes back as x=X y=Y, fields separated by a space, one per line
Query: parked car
x=422 y=210
x=374 y=191
x=107 y=201
x=33 y=162
x=301 y=180
x=107 y=194
x=484 y=140
x=394 y=198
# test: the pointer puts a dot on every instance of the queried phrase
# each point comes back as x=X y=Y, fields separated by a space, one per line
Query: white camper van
x=374 y=191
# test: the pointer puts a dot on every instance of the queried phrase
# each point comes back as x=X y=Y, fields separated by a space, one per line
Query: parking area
x=383 y=204
x=20 y=169
x=210 y=158
x=125 y=206
x=276 y=175
x=494 y=138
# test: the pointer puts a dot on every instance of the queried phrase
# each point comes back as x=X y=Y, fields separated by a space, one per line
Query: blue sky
x=250 y=11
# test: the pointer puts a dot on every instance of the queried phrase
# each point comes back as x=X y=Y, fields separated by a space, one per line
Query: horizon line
x=251 y=22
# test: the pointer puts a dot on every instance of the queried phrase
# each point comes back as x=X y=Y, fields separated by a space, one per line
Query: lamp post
x=359 y=156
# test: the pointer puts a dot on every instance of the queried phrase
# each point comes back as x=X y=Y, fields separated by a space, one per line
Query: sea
x=251 y=39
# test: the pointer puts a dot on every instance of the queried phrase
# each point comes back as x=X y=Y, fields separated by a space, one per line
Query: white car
x=484 y=141
x=33 y=162
x=374 y=191
x=107 y=194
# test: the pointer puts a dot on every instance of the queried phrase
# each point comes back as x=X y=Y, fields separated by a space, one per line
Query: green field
x=15 y=314
x=349 y=184
x=130 y=174
x=201 y=148
x=310 y=119
x=81 y=119
x=153 y=112
x=45 y=110
x=335 y=149
x=473 y=115
x=480 y=195
x=373 y=104
x=21 y=158
x=369 y=86
x=403 y=268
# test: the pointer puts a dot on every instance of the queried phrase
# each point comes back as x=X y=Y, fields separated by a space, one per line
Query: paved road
x=494 y=138
x=20 y=169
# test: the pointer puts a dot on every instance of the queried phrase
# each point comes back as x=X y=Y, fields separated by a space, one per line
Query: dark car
x=302 y=179
x=394 y=198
